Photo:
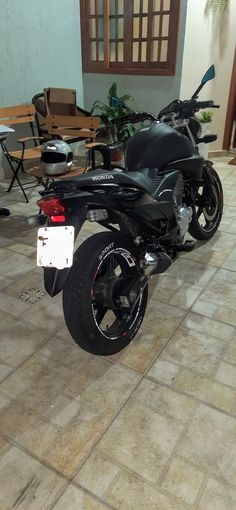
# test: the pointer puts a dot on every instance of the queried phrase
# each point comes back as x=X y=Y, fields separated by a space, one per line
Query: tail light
x=58 y=219
x=51 y=206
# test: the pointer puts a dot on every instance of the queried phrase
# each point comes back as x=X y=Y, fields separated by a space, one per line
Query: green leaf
x=112 y=92
x=126 y=97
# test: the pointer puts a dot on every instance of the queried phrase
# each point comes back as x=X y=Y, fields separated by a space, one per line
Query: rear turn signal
x=51 y=206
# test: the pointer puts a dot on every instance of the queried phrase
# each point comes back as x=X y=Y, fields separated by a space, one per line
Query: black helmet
x=56 y=157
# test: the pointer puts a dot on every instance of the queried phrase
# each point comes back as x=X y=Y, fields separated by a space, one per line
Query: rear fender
x=54 y=279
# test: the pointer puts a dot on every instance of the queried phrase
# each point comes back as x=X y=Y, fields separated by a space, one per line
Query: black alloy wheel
x=208 y=207
x=105 y=295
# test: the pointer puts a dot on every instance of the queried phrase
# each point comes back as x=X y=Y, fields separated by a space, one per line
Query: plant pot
x=105 y=135
x=117 y=157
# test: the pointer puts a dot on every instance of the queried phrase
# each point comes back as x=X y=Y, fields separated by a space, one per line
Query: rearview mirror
x=209 y=75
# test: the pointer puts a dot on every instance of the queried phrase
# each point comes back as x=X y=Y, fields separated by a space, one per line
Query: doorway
x=230 y=122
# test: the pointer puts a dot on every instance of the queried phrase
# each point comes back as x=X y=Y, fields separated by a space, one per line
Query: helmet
x=56 y=157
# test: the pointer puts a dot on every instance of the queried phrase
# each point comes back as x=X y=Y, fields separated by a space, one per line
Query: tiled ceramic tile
x=97 y=474
x=218 y=299
x=59 y=368
x=4 y=445
x=174 y=291
x=4 y=370
x=230 y=262
x=62 y=411
x=220 y=292
x=76 y=440
x=162 y=318
x=225 y=275
x=108 y=393
x=194 y=349
x=4 y=254
x=163 y=371
x=208 y=327
x=24 y=249
x=46 y=312
x=146 y=441
x=230 y=354
x=19 y=340
x=31 y=280
x=215 y=251
x=226 y=374
x=210 y=392
x=183 y=480
x=217 y=496
x=4 y=241
x=64 y=335
x=16 y=265
x=26 y=484
x=210 y=443
x=192 y=272
x=164 y=400
x=16 y=306
x=24 y=427
x=74 y=499
x=142 y=350
x=218 y=312
x=4 y=282
x=129 y=492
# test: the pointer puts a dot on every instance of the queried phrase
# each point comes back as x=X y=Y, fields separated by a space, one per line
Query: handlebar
x=185 y=109
x=133 y=117
x=206 y=104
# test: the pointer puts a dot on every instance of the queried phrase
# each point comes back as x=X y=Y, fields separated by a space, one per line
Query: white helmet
x=56 y=157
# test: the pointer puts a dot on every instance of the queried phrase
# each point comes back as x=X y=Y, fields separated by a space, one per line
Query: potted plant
x=205 y=118
x=111 y=132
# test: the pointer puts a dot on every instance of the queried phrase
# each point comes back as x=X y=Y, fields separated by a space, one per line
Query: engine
x=183 y=213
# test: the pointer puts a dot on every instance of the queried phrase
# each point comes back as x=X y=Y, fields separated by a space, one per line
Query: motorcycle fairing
x=191 y=168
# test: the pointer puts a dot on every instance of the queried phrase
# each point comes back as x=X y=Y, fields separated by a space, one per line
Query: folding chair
x=13 y=115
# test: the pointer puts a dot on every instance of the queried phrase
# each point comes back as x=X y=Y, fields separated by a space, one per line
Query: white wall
x=40 y=46
x=150 y=93
x=209 y=39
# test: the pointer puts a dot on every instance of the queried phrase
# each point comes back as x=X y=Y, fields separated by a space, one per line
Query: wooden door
x=230 y=123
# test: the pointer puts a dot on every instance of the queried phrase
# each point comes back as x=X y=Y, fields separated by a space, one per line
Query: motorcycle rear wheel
x=208 y=207
x=101 y=314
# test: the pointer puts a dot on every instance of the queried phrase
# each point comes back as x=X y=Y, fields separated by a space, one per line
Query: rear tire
x=208 y=207
x=94 y=282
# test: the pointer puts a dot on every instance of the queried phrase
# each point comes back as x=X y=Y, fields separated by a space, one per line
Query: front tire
x=208 y=206
x=102 y=302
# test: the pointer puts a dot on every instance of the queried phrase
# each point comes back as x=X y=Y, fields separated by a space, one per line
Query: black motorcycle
x=166 y=190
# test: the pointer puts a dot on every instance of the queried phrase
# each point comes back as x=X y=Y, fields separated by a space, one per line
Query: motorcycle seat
x=143 y=179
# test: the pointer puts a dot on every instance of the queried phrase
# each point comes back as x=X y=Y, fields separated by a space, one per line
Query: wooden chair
x=25 y=115
x=60 y=101
x=56 y=101
x=67 y=125
x=62 y=126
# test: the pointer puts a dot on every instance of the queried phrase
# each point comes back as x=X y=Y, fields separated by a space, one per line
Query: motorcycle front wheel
x=104 y=301
x=207 y=207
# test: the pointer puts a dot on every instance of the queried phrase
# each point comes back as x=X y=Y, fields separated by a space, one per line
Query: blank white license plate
x=55 y=247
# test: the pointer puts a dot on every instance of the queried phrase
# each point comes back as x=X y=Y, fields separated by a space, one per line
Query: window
x=129 y=36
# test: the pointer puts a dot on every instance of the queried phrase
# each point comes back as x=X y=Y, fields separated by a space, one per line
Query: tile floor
x=153 y=427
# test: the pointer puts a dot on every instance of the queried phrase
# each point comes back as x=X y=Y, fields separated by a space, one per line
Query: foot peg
x=187 y=246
